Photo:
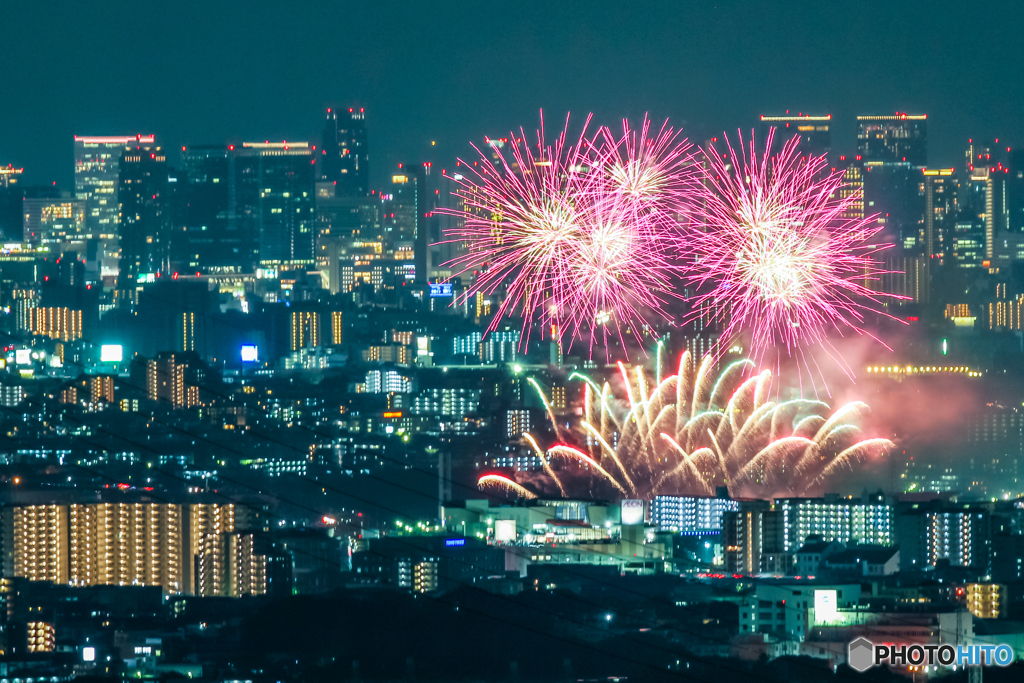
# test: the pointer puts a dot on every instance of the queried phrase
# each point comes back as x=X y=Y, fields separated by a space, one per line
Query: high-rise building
x=898 y=138
x=305 y=330
x=852 y=168
x=455 y=403
x=345 y=153
x=97 y=177
x=406 y=231
x=815 y=136
x=349 y=234
x=969 y=242
x=56 y=323
x=144 y=219
x=992 y=193
x=9 y=175
x=11 y=196
x=274 y=188
x=691 y=514
x=174 y=378
x=986 y=600
x=932 y=532
x=387 y=381
x=228 y=558
x=200 y=549
x=95 y=543
x=337 y=329
x=517 y=423
x=57 y=224
x=835 y=519
x=177 y=316
x=940 y=212
x=213 y=238
x=893 y=193
x=742 y=537
x=389 y=353
x=101 y=388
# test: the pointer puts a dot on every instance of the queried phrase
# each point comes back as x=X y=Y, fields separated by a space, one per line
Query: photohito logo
x=862 y=654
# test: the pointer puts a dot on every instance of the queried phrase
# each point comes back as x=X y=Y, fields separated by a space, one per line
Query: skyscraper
x=210 y=230
x=815 y=136
x=940 y=212
x=892 y=191
x=895 y=138
x=56 y=223
x=894 y=148
x=991 y=190
x=10 y=203
x=344 y=155
x=406 y=231
x=274 y=187
x=97 y=165
x=9 y=175
x=144 y=219
x=349 y=230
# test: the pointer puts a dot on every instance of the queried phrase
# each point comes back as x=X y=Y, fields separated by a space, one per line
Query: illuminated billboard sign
x=825 y=608
x=23 y=356
x=632 y=512
x=111 y=353
x=440 y=289
x=250 y=353
x=454 y=542
x=505 y=530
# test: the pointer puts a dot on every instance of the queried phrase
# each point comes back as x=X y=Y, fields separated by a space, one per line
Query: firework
x=504 y=483
x=693 y=432
x=776 y=253
x=578 y=236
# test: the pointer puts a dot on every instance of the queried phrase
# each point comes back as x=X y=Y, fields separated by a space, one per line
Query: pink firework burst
x=777 y=250
x=654 y=176
x=576 y=235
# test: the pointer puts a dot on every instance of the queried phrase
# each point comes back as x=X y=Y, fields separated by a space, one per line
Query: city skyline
x=334 y=350
x=413 y=101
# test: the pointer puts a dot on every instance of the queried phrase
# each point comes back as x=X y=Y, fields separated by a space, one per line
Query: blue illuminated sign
x=454 y=542
x=440 y=289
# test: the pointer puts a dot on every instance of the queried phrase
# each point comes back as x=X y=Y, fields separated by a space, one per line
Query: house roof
x=813 y=547
x=871 y=554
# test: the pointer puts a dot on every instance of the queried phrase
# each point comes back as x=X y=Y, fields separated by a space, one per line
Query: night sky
x=212 y=72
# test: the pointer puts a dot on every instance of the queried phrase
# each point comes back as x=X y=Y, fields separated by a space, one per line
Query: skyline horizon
x=846 y=128
x=456 y=72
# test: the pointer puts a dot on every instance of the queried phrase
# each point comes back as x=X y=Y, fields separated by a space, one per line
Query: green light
x=945 y=347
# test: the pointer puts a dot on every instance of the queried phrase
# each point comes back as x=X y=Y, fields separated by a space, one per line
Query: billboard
x=825 y=608
x=250 y=353
x=505 y=531
x=440 y=289
x=632 y=512
x=111 y=353
x=23 y=356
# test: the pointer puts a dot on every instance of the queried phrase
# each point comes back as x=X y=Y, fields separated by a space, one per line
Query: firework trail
x=581 y=236
x=692 y=432
x=775 y=253
x=498 y=481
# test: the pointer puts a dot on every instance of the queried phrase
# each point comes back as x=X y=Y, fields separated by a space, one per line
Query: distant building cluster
x=227 y=367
